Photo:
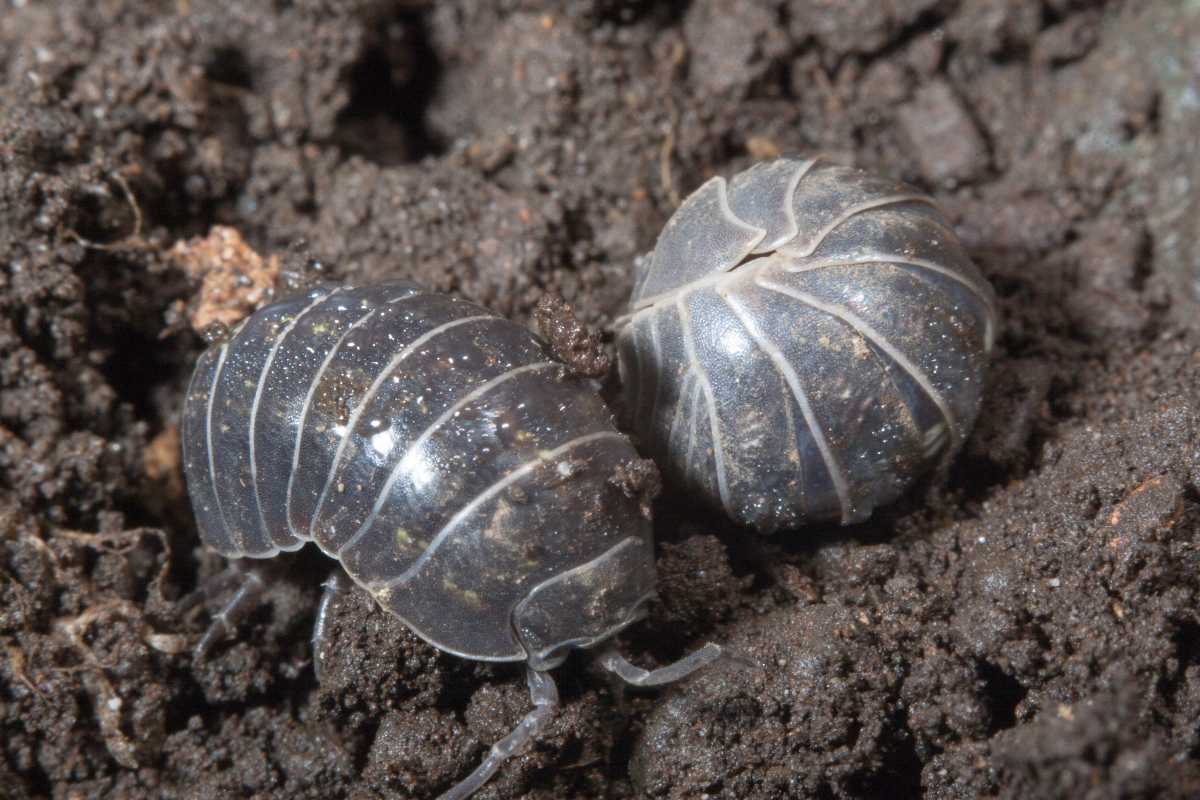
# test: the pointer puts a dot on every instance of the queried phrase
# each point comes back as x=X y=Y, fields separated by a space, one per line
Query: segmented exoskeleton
x=803 y=342
x=455 y=470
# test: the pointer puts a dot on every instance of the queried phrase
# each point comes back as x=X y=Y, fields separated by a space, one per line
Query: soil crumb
x=234 y=280
x=571 y=342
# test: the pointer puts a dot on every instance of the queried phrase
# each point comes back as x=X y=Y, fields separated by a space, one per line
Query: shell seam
x=258 y=390
x=904 y=261
x=369 y=395
x=212 y=467
x=396 y=473
x=657 y=366
x=837 y=473
x=865 y=330
x=303 y=423
x=713 y=421
x=497 y=486
x=853 y=211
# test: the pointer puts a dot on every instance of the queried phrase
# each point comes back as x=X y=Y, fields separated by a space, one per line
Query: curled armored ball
x=458 y=474
x=804 y=341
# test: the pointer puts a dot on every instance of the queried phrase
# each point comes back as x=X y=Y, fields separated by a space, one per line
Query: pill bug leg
x=544 y=694
x=337 y=583
x=211 y=588
x=616 y=663
x=250 y=587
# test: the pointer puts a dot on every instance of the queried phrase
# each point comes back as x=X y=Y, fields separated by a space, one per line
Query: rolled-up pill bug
x=458 y=474
x=803 y=342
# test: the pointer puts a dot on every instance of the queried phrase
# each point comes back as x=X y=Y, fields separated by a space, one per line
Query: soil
x=1026 y=624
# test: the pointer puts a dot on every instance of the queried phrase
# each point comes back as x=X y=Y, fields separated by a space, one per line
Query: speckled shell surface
x=803 y=342
x=434 y=448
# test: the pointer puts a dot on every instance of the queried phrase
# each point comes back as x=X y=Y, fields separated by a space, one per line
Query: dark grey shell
x=805 y=340
x=437 y=451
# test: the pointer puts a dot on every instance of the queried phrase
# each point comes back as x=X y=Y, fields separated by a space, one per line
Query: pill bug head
x=804 y=341
x=583 y=606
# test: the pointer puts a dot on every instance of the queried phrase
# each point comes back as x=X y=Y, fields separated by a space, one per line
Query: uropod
x=457 y=473
x=803 y=342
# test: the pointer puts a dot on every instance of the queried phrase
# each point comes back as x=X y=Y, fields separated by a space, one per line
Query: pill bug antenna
x=544 y=694
x=617 y=664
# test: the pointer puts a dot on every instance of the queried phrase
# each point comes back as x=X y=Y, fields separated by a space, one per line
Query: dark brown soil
x=1025 y=625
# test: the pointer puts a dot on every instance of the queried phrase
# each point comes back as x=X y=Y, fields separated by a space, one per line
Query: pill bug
x=803 y=342
x=457 y=473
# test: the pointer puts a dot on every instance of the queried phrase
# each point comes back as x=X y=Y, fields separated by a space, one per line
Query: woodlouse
x=803 y=342
x=458 y=474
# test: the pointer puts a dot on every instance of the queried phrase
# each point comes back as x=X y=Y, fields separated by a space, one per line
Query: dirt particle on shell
x=639 y=479
x=572 y=342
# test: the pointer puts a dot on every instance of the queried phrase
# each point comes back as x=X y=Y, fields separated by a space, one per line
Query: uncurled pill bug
x=458 y=474
x=803 y=342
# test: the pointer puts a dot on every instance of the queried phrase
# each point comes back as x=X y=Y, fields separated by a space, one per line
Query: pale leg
x=636 y=676
x=336 y=584
x=544 y=694
x=248 y=591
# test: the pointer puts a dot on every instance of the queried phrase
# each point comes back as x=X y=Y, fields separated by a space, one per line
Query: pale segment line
x=940 y=222
x=726 y=212
x=891 y=378
x=789 y=208
x=718 y=448
x=692 y=429
x=853 y=211
x=880 y=341
x=691 y=286
x=621 y=344
x=795 y=440
x=208 y=434
x=722 y=197
x=712 y=279
x=982 y=290
x=487 y=494
x=308 y=398
x=414 y=449
x=191 y=389
x=637 y=370
x=789 y=201
x=861 y=259
x=683 y=387
x=184 y=442
x=789 y=211
x=643 y=304
x=837 y=473
x=637 y=610
x=655 y=368
x=744 y=318
x=637 y=285
x=370 y=395
x=710 y=401
x=258 y=390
